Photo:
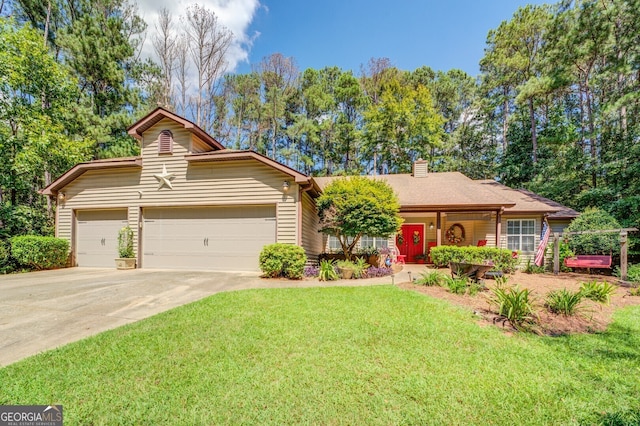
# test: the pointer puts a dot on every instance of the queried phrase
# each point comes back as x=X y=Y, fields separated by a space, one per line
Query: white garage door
x=215 y=238
x=97 y=237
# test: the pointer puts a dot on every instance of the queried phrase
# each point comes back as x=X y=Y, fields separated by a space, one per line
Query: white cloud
x=236 y=15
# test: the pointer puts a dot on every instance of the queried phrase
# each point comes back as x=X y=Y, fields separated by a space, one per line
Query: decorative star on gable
x=164 y=178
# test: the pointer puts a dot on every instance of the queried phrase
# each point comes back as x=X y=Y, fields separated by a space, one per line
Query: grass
x=358 y=355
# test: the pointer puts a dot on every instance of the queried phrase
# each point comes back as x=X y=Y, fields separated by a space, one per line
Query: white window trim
x=520 y=235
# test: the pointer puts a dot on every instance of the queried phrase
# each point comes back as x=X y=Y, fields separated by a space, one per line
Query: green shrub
x=283 y=260
x=6 y=264
x=4 y=254
x=501 y=258
x=36 y=252
x=633 y=272
x=590 y=220
x=564 y=302
x=635 y=291
x=598 y=292
x=514 y=305
x=327 y=271
x=125 y=243
x=431 y=278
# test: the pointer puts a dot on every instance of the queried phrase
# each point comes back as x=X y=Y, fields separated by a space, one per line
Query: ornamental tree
x=354 y=206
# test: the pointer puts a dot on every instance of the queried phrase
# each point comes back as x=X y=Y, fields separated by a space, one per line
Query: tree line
x=554 y=109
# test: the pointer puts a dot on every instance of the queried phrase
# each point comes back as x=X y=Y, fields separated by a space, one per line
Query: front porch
x=421 y=232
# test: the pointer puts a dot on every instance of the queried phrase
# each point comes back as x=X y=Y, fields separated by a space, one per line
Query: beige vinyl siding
x=558 y=225
x=63 y=230
x=469 y=231
x=311 y=238
x=485 y=230
x=134 y=220
x=227 y=183
x=287 y=214
x=197 y=145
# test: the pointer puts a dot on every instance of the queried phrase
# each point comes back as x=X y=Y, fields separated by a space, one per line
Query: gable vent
x=165 y=142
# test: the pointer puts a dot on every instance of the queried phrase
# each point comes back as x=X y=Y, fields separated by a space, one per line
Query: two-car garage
x=209 y=238
x=217 y=238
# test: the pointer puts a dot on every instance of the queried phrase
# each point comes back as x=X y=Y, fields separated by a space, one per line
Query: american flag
x=544 y=239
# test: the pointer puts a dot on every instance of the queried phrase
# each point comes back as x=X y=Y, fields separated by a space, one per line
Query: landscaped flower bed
x=547 y=304
x=329 y=270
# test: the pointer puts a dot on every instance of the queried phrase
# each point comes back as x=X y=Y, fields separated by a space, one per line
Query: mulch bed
x=594 y=317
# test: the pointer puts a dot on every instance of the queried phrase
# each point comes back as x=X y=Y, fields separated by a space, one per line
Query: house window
x=334 y=243
x=165 y=142
x=521 y=235
x=377 y=242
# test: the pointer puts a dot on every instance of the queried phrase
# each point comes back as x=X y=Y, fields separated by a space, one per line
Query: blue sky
x=347 y=33
x=442 y=34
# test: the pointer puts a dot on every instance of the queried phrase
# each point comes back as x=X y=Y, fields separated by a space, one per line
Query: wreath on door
x=416 y=237
x=455 y=233
x=400 y=238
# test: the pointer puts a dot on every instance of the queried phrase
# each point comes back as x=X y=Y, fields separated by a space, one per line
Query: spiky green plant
x=474 y=288
x=564 y=302
x=514 y=305
x=327 y=271
x=431 y=278
x=457 y=285
x=360 y=267
x=600 y=292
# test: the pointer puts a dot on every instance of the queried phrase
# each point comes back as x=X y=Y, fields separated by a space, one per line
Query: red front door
x=412 y=241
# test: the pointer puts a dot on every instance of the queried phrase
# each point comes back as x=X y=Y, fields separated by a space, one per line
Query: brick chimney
x=420 y=168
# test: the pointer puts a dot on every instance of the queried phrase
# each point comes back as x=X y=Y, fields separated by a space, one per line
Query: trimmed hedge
x=502 y=258
x=283 y=260
x=4 y=255
x=38 y=252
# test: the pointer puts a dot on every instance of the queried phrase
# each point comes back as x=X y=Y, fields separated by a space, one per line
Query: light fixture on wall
x=61 y=196
x=431 y=225
x=285 y=185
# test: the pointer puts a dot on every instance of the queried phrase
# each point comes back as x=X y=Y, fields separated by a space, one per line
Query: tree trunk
x=592 y=140
x=46 y=23
x=505 y=123
x=534 y=137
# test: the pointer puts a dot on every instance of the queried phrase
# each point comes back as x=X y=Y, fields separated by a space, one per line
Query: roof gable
x=158 y=114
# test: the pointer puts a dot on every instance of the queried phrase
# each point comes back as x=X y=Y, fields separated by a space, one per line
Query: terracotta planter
x=126 y=263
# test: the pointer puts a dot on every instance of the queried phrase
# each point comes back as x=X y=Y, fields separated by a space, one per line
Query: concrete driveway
x=44 y=310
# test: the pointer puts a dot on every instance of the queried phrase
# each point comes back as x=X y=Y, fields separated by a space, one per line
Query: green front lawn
x=366 y=355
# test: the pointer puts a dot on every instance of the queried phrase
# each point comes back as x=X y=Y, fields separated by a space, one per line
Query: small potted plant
x=346 y=269
x=126 y=254
x=420 y=258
